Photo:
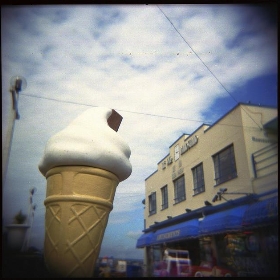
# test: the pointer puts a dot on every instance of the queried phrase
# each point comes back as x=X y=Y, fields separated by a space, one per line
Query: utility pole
x=30 y=219
x=18 y=84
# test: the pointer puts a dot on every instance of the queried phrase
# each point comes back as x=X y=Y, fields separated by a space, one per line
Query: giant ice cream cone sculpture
x=83 y=165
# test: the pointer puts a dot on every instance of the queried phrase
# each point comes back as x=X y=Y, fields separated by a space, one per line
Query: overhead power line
x=204 y=63
x=127 y=111
x=197 y=55
x=120 y=110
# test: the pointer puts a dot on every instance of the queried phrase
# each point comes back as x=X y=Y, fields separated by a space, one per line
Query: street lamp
x=17 y=83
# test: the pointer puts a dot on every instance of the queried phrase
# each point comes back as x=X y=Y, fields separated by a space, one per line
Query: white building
x=215 y=182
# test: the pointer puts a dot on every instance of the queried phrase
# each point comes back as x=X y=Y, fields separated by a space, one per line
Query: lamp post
x=18 y=84
x=30 y=219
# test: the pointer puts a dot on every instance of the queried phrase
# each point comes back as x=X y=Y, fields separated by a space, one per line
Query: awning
x=222 y=222
x=184 y=230
x=258 y=214
x=261 y=213
x=144 y=240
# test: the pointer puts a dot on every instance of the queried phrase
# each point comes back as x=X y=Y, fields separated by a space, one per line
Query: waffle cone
x=78 y=202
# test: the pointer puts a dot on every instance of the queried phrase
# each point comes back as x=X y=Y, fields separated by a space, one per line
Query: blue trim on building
x=262 y=213
x=144 y=240
x=226 y=221
x=232 y=216
x=185 y=230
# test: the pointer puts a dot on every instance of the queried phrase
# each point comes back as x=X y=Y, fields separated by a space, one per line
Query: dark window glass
x=198 y=179
x=164 y=197
x=224 y=163
x=152 y=203
x=179 y=190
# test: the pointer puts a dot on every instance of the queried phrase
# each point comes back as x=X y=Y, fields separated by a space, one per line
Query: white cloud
x=129 y=58
x=134 y=234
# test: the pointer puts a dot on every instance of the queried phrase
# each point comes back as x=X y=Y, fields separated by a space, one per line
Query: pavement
x=18 y=265
x=24 y=265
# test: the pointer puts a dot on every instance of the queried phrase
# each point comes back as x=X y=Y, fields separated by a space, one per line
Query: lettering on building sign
x=178 y=173
x=262 y=140
x=169 y=160
x=190 y=143
x=168 y=235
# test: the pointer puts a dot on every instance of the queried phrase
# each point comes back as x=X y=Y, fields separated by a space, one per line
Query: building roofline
x=189 y=135
x=178 y=139
x=238 y=105
x=212 y=125
x=151 y=175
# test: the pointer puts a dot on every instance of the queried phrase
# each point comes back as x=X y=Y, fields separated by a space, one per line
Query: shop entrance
x=191 y=245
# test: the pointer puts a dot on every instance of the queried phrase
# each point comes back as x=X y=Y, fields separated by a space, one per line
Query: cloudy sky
x=166 y=69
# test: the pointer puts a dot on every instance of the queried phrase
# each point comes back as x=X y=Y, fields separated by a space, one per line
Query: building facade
x=206 y=193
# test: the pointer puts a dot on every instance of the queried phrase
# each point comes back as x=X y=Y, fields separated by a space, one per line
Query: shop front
x=254 y=251
x=194 y=236
x=250 y=253
x=249 y=244
x=237 y=241
x=181 y=236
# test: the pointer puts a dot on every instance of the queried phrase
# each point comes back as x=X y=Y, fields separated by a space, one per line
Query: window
x=152 y=203
x=179 y=190
x=198 y=179
x=164 y=197
x=225 y=168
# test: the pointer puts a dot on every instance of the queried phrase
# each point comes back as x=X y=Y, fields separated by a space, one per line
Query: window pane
x=164 y=195
x=152 y=203
x=225 y=168
x=179 y=190
x=198 y=179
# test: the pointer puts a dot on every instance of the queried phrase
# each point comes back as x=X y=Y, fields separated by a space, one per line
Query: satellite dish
x=18 y=83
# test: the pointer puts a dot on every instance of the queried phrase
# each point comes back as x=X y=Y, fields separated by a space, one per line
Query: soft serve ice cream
x=83 y=165
x=89 y=141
